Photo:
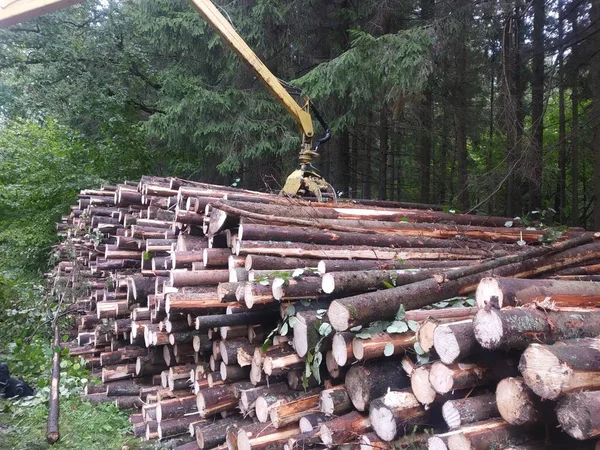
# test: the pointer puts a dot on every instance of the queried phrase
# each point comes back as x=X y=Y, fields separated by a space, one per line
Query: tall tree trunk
x=595 y=82
x=343 y=178
x=426 y=139
x=462 y=113
x=442 y=174
x=575 y=127
x=383 y=153
x=368 y=172
x=354 y=166
x=537 y=107
x=562 y=133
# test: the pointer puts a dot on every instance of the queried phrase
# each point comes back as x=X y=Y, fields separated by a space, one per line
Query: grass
x=83 y=426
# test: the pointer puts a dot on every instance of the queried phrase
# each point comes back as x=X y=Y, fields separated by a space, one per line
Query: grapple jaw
x=307 y=183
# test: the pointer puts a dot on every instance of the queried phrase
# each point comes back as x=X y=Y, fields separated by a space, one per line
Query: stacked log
x=196 y=302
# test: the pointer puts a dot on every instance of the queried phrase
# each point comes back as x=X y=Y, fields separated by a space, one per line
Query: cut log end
x=339 y=316
x=516 y=402
x=262 y=409
x=383 y=423
x=339 y=349
x=451 y=415
x=328 y=283
x=539 y=368
x=488 y=328
x=278 y=288
x=436 y=443
x=488 y=291
x=441 y=378
x=421 y=386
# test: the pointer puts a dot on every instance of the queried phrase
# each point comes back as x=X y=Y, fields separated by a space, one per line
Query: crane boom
x=16 y=11
x=214 y=17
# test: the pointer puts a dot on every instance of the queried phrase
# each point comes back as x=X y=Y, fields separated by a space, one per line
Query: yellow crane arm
x=15 y=11
x=302 y=115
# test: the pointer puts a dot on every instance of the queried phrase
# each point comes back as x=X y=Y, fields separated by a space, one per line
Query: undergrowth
x=25 y=344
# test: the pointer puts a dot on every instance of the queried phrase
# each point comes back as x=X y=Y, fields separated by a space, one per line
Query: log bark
x=579 y=414
x=502 y=292
x=248 y=397
x=567 y=366
x=255 y=232
x=447 y=378
x=347 y=283
x=214 y=433
x=183 y=277
x=346 y=428
x=519 y=327
x=301 y=250
x=463 y=411
x=518 y=405
x=291 y=412
x=259 y=262
x=261 y=437
x=175 y=427
x=230 y=348
x=271 y=212
x=296 y=289
x=195 y=304
x=454 y=341
x=377 y=345
x=392 y=414
x=352 y=265
x=373 y=380
x=335 y=401
x=217 y=399
x=256 y=293
x=361 y=309
x=493 y=433
x=233 y=372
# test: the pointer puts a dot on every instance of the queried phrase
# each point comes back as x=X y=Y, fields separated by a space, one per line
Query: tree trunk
x=344 y=429
x=361 y=309
x=579 y=414
x=567 y=366
x=447 y=378
x=493 y=433
x=368 y=382
x=454 y=341
x=575 y=122
x=468 y=410
x=537 y=107
x=595 y=85
x=382 y=344
x=502 y=292
x=383 y=153
x=335 y=401
x=517 y=328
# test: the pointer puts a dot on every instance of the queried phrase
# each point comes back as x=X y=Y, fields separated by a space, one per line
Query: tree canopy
x=491 y=107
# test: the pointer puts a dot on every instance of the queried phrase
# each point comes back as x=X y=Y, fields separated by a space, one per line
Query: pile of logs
x=244 y=320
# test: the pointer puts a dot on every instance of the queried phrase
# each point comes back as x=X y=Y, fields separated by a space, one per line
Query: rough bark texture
x=368 y=382
x=568 y=366
x=579 y=414
x=517 y=328
x=468 y=410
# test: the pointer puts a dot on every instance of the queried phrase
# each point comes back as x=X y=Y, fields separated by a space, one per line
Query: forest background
x=490 y=106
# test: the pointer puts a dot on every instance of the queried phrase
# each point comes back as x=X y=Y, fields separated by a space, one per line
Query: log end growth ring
x=488 y=291
x=488 y=328
x=543 y=371
x=383 y=423
x=339 y=316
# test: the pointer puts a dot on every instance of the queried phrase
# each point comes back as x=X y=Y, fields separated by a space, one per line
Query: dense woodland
x=490 y=107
